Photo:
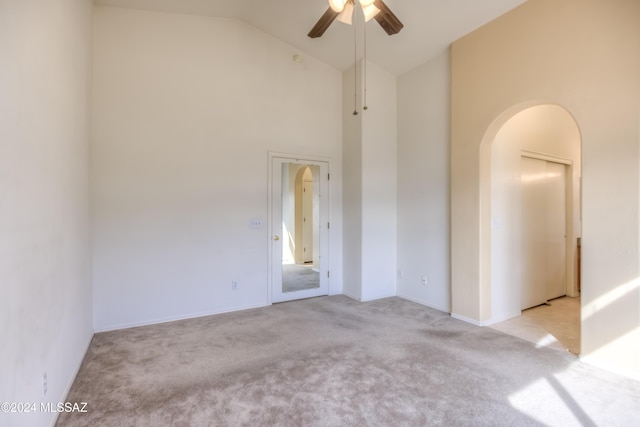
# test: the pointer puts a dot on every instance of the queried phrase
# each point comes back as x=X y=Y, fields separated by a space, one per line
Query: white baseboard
x=354 y=297
x=377 y=297
x=502 y=318
x=176 y=318
x=468 y=319
x=425 y=303
x=483 y=322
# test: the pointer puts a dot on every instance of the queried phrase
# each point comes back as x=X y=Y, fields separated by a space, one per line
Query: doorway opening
x=530 y=215
x=299 y=228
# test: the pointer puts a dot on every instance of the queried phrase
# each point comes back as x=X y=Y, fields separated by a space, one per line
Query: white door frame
x=325 y=218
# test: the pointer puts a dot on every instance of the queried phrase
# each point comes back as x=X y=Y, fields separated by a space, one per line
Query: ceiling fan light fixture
x=343 y=11
x=369 y=12
x=346 y=16
x=337 y=5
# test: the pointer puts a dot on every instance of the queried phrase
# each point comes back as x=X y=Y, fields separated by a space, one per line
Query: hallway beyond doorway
x=556 y=325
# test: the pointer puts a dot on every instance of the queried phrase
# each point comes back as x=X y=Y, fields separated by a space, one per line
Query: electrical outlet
x=423 y=279
x=234 y=285
x=400 y=274
x=44 y=384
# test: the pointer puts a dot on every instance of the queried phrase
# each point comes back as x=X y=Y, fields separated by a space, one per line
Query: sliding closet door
x=543 y=231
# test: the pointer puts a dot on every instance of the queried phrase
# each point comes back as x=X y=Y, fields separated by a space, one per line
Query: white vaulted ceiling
x=429 y=25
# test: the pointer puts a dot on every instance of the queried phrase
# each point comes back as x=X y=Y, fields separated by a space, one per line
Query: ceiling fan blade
x=387 y=20
x=323 y=23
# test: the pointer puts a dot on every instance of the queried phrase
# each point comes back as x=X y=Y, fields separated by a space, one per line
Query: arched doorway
x=547 y=138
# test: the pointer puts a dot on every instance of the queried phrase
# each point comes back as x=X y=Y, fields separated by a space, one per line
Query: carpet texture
x=296 y=277
x=333 y=361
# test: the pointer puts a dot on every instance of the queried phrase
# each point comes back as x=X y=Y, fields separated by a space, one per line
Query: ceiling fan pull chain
x=355 y=70
x=365 y=108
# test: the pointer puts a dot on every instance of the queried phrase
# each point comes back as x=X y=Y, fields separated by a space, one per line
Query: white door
x=556 y=231
x=543 y=231
x=288 y=280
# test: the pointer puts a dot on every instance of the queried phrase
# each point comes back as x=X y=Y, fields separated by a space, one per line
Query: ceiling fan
x=343 y=10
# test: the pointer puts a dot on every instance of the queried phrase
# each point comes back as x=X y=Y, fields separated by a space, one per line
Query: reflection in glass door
x=300 y=208
x=298 y=217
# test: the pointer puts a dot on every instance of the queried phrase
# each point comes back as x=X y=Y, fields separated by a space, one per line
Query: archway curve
x=492 y=303
x=312 y=173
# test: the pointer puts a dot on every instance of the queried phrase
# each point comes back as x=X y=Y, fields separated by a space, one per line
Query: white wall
x=45 y=308
x=379 y=190
x=370 y=175
x=423 y=183
x=186 y=109
x=352 y=188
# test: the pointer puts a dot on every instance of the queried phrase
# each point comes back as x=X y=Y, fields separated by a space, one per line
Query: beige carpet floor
x=333 y=361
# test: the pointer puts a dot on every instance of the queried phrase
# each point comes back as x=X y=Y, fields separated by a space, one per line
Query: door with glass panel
x=299 y=229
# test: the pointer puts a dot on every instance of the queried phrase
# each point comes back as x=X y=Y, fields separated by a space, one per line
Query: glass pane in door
x=300 y=227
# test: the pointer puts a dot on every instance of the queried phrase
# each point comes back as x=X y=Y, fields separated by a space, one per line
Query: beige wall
x=583 y=55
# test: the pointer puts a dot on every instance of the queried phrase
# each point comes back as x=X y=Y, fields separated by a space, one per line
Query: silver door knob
x=276 y=237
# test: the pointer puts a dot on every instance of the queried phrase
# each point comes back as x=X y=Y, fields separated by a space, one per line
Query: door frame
x=325 y=199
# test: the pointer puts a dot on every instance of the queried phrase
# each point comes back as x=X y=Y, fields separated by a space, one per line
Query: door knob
x=276 y=237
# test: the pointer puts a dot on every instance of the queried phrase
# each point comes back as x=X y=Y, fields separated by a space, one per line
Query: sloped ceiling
x=429 y=26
